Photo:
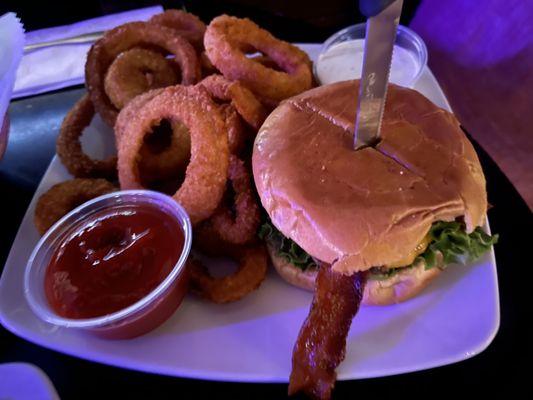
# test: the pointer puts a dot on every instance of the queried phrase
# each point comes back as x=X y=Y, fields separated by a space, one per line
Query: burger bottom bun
x=400 y=287
x=291 y=273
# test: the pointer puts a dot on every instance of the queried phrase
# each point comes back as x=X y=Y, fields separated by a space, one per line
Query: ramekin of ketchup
x=114 y=266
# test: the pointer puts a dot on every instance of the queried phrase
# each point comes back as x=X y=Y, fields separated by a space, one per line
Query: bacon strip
x=321 y=344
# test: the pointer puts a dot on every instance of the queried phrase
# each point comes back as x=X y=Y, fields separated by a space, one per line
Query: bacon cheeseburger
x=394 y=215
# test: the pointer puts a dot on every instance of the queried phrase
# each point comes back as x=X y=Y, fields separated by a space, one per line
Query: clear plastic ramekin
x=405 y=38
x=136 y=319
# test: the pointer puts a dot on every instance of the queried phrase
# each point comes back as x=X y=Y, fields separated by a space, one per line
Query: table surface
x=485 y=67
x=30 y=149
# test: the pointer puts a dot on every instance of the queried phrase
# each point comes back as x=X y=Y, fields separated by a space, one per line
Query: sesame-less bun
x=370 y=207
x=291 y=273
x=403 y=285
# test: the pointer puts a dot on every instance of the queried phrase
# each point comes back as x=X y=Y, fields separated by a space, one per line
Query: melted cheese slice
x=409 y=258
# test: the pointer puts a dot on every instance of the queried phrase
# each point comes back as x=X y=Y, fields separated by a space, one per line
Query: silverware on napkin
x=79 y=39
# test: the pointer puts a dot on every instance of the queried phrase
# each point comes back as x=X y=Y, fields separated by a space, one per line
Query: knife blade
x=381 y=27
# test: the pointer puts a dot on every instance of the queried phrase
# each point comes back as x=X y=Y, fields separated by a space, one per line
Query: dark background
x=504 y=367
x=294 y=20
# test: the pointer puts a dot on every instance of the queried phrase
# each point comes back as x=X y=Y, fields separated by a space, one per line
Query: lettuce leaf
x=287 y=248
x=456 y=246
x=448 y=238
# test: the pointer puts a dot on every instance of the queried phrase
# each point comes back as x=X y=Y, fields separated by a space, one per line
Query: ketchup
x=111 y=260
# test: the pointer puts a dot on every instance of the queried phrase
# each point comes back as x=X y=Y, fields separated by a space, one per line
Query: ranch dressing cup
x=341 y=57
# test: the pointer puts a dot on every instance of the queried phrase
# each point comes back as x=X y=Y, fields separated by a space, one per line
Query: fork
x=84 y=38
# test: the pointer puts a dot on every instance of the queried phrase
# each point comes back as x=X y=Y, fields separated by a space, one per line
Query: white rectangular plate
x=251 y=340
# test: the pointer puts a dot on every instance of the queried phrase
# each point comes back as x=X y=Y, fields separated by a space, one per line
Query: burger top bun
x=362 y=208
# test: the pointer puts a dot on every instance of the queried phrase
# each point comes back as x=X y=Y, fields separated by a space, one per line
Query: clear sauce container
x=341 y=57
x=138 y=318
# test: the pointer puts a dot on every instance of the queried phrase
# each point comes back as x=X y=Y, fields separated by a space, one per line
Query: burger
x=402 y=210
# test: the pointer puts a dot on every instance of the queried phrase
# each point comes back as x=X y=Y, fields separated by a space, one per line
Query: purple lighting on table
x=482 y=54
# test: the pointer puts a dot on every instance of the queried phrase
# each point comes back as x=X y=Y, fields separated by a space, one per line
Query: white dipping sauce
x=344 y=61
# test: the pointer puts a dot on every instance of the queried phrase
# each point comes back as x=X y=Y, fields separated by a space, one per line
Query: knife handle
x=371 y=8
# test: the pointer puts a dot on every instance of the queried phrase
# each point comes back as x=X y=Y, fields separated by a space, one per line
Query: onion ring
x=128 y=113
x=160 y=161
x=184 y=24
x=269 y=104
x=136 y=71
x=242 y=227
x=237 y=134
x=206 y=174
x=164 y=163
x=207 y=66
x=207 y=241
x=64 y=197
x=249 y=275
x=125 y=37
x=267 y=62
x=70 y=151
x=244 y=101
x=228 y=38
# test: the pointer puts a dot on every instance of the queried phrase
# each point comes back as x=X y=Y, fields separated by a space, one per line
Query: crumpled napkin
x=11 y=47
x=56 y=67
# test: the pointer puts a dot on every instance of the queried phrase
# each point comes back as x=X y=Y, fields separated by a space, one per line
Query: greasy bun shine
x=370 y=207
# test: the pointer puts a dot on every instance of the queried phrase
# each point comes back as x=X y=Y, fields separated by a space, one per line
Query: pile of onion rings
x=64 y=197
x=185 y=102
